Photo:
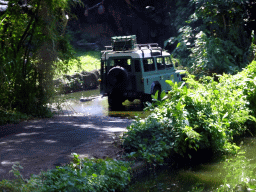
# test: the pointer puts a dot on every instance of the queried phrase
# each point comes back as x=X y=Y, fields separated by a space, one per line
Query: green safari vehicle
x=135 y=71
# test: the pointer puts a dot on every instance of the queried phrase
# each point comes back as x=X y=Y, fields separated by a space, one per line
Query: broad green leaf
x=94 y=175
x=163 y=94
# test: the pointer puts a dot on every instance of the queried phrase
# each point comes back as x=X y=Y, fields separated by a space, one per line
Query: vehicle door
x=149 y=74
x=124 y=62
x=138 y=85
x=161 y=72
x=169 y=71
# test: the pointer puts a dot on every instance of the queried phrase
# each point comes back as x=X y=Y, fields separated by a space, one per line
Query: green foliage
x=201 y=115
x=20 y=184
x=85 y=60
x=88 y=175
x=81 y=175
x=249 y=88
x=11 y=117
x=215 y=38
x=212 y=54
x=32 y=38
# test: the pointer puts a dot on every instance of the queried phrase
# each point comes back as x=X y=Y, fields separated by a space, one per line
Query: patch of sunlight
x=33 y=126
x=115 y=129
x=2 y=143
x=10 y=149
x=49 y=141
x=6 y=163
x=27 y=134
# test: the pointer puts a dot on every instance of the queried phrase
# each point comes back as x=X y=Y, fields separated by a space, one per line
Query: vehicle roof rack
x=128 y=44
x=123 y=43
x=108 y=48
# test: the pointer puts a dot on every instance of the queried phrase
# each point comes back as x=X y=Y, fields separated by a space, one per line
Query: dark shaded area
x=148 y=20
x=151 y=21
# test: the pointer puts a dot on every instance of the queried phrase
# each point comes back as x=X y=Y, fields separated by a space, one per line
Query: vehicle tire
x=155 y=89
x=115 y=99
x=117 y=77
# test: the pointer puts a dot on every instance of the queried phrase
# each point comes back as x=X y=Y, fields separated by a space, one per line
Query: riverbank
x=78 y=81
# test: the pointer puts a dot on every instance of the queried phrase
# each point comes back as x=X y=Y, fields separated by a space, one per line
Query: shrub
x=204 y=114
x=88 y=175
x=84 y=175
x=11 y=117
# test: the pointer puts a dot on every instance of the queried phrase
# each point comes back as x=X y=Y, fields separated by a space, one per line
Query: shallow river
x=202 y=177
x=94 y=104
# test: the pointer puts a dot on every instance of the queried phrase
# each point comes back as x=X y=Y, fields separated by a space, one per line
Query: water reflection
x=209 y=176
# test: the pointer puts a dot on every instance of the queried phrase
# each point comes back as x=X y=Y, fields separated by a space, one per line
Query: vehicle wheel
x=117 y=77
x=157 y=88
x=115 y=99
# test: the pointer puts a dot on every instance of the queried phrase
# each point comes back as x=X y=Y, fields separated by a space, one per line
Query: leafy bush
x=202 y=115
x=11 y=117
x=88 y=175
x=81 y=175
x=249 y=89
x=215 y=38
x=20 y=184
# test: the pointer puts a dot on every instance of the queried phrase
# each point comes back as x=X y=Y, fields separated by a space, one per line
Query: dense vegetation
x=32 y=40
x=216 y=37
x=83 y=61
x=80 y=175
x=203 y=114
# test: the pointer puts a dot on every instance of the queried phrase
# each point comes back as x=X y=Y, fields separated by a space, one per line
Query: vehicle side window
x=128 y=67
x=148 y=65
x=160 y=63
x=137 y=65
x=168 y=62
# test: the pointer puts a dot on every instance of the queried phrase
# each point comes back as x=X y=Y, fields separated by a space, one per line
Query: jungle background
x=38 y=38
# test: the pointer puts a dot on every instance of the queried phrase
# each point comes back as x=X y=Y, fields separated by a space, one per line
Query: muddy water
x=92 y=103
x=203 y=177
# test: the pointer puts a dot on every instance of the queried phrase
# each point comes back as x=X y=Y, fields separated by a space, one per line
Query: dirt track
x=43 y=144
